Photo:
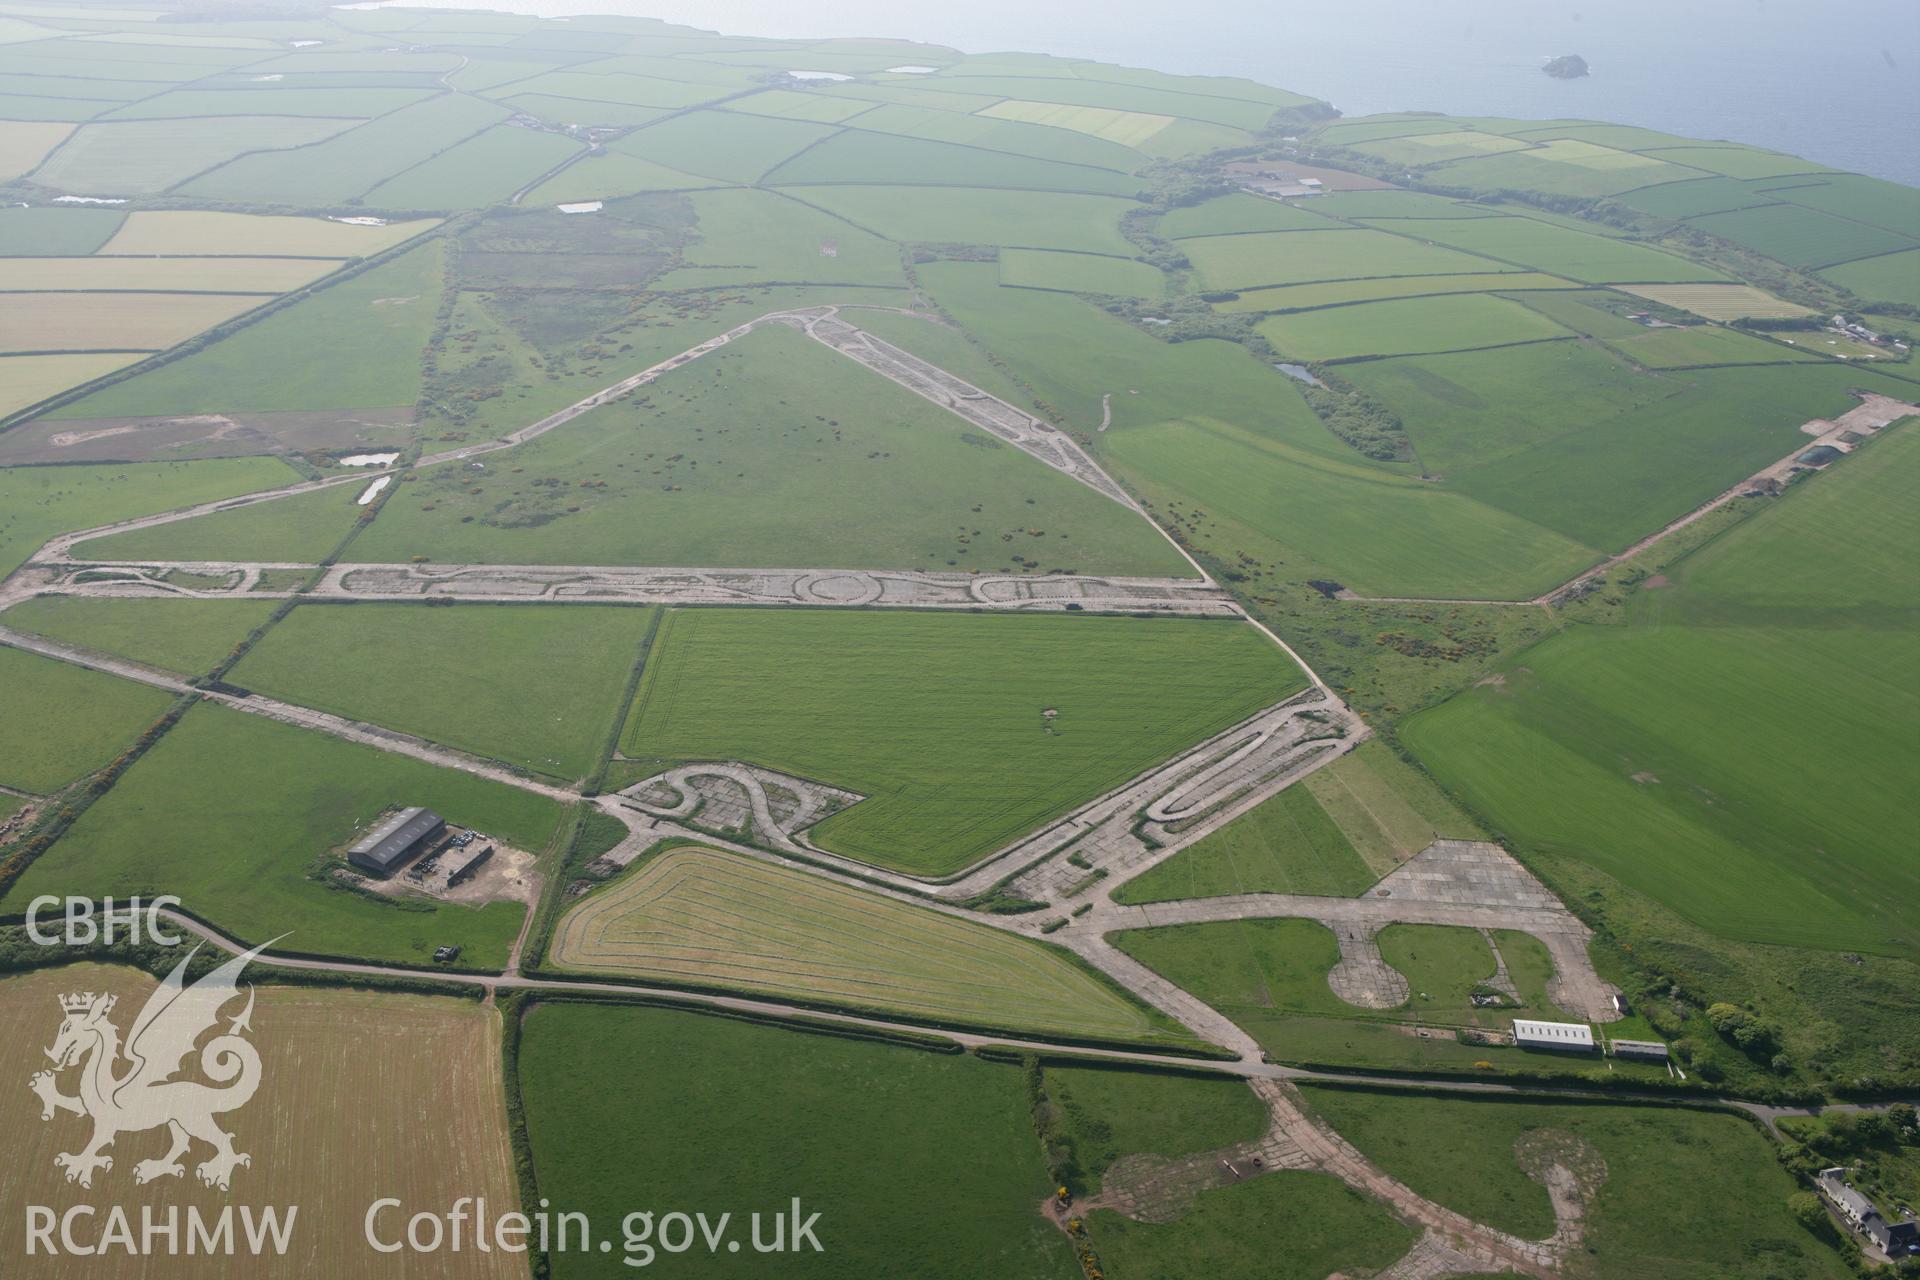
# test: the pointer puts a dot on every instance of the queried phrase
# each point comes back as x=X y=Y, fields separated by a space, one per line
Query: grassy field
x=1080 y=273
x=1285 y=1225
x=314 y=1144
x=302 y=529
x=1801 y=237
x=60 y=722
x=970 y=215
x=1561 y=251
x=1732 y=754
x=718 y=144
x=1636 y=1225
x=1407 y=326
x=858 y=156
x=373 y=326
x=184 y=636
x=746 y=236
x=38 y=502
x=1108 y=1113
x=1289 y=844
x=1237 y=214
x=172 y=232
x=346 y=166
x=112 y=321
x=1442 y=965
x=1564 y=168
x=24 y=143
x=485 y=169
x=1387 y=809
x=1695 y=346
x=621 y=1112
x=1304 y=297
x=26 y=380
x=138 y=157
x=1892 y=277
x=705 y=918
x=534 y=686
x=47 y=230
x=773 y=451
x=236 y=815
x=1254 y=971
x=939 y=720
x=1287 y=257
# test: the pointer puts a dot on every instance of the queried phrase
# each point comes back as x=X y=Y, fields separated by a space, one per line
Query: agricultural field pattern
x=1088 y=672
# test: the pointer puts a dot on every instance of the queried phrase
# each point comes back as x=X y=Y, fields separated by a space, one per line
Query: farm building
x=1645 y=1050
x=458 y=863
x=389 y=846
x=1854 y=1207
x=1572 y=1037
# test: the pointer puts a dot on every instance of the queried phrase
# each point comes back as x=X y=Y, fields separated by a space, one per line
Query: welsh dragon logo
x=143 y=1094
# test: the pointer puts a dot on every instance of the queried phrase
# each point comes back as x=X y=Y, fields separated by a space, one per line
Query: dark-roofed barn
x=389 y=846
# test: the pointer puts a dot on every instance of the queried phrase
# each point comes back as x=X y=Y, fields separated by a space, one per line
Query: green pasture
x=174 y=634
x=719 y=144
x=885 y=1142
x=138 y=157
x=485 y=169
x=1386 y=808
x=772 y=451
x=1888 y=205
x=1732 y=753
x=705 y=918
x=1080 y=273
x=858 y=156
x=1737 y=162
x=609 y=176
x=1302 y=257
x=1397 y=204
x=236 y=815
x=1460 y=1153
x=1288 y=844
x=751 y=236
x=56 y=232
x=536 y=686
x=301 y=529
x=1240 y=213
x=1800 y=236
x=941 y=720
x=190 y=103
x=38 y=502
x=1562 y=251
x=970 y=215
x=1407 y=326
x=945 y=117
x=347 y=165
x=1891 y=277
x=373 y=328
x=1306 y=297
x=1565 y=168
x=1696 y=346
x=1109 y=1113
x=60 y=722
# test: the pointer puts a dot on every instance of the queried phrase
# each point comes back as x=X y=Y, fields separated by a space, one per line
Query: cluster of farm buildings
x=419 y=841
x=1895 y=1239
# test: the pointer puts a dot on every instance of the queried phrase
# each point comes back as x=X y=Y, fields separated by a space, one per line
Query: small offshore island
x=1568 y=66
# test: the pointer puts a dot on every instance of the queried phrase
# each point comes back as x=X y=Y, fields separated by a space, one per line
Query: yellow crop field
x=1720 y=301
x=112 y=321
x=1589 y=155
x=26 y=380
x=1128 y=128
x=194 y=275
x=24 y=143
x=362 y=1096
x=192 y=232
x=709 y=918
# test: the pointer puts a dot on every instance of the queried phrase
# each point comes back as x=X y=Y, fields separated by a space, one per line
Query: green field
x=1695 y=346
x=748 y=236
x=537 y=686
x=1387 y=809
x=919 y=1163
x=372 y=327
x=55 y=231
x=1285 y=1225
x=939 y=719
x=485 y=169
x=857 y=156
x=1080 y=273
x=1107 y=1113
x=1732 y=754
x=301 y=529
x=970 y=215
x=773 y=451
x=184 y=636
x=1288 y=844
x=1892 y=277
x=1254 y=971
x=1304 y=297
x=700 y=917
x=1802 y=237
x=236 y=814
x=60 y=722
x=1460 y=1153
x=1239 y=213
x=718 y=144
x=38 y=502
x=136 y=157
x=1407 y=326
x=1561 y=251
x=1302 y=257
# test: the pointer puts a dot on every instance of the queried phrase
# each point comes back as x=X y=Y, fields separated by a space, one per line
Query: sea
x=1835 y=81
